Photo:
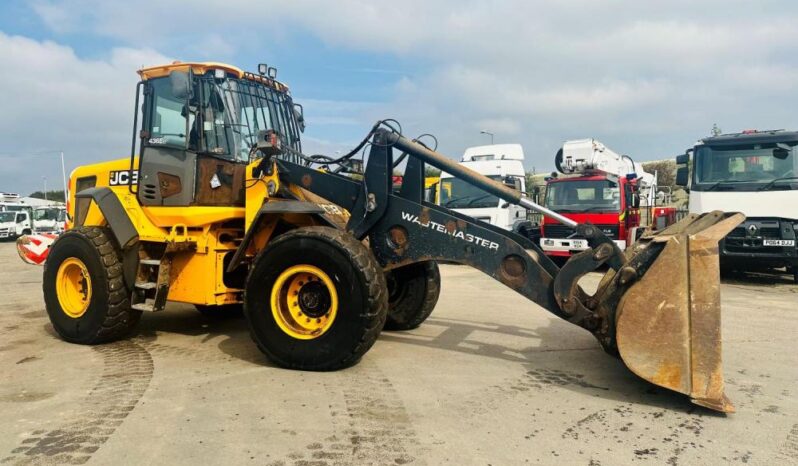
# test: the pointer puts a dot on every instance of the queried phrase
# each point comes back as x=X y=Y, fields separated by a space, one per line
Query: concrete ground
x=489 y=379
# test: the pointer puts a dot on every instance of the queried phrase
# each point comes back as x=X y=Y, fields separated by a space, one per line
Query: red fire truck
x=604 y=188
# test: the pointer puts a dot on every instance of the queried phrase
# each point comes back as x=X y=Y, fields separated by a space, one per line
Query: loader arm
x=402 y=228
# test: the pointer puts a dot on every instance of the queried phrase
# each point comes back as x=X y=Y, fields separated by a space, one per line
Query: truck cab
x=603 y=188
x=500 y=162
x=609 y=202
x=50 y=219
x=14 y=223
x=756 y=173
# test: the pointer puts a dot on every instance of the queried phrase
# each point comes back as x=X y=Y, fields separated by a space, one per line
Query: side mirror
x=299 y=114
x=682 y=159
x=512 y=182
x=781 y=151
x=682 y=176
x=181 y=84
x=636 y=201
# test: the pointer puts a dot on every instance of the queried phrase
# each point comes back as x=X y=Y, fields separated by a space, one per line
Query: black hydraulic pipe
x=470 y=176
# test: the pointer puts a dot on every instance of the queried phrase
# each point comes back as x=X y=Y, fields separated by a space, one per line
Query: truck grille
x=561 y=231
x=744 y=239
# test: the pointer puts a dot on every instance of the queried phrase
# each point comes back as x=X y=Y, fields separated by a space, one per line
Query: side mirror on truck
x=682 y=176
x=683 y=170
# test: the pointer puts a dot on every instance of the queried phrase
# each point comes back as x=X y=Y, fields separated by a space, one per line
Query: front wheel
x=315 y=299
x=84 y=292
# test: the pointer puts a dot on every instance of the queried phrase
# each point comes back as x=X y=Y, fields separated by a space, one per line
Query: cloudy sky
x=647 y=78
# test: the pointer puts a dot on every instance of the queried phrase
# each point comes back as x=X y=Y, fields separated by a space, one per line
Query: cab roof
x=201 y=68
x=752 y=137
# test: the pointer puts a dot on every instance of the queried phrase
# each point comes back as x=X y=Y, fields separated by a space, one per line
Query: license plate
x=778 y=242
x=578 y=244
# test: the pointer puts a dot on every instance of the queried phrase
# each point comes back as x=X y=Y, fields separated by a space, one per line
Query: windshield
x=222 y=117
x=584 y=196
x=458 y=194
x=753 y=164
x=46 y=214
x=7 y=217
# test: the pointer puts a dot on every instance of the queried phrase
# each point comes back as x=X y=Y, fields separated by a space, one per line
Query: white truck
x=756 y=173
x=501 y=162
x=21 y=219
x=15 y=223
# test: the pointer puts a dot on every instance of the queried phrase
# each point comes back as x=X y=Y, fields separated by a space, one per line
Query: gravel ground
x=489 y=379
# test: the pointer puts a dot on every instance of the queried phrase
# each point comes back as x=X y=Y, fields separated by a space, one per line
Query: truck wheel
x=221 y=312
x=413 y=291
x=26 y=231
x=795 y=274
x=315 y=299
x=84 y=292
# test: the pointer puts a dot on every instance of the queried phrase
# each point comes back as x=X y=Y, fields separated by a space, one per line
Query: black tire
x=108 y=316
x=225 y=311
x=26 y=231
x=795 y=274
x=413 y=291
x=359 y=284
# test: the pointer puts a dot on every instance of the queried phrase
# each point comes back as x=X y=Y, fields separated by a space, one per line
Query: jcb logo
x=123 y=177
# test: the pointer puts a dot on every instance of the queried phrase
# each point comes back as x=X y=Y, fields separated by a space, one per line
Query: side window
x=82 y=204
x=168 y=123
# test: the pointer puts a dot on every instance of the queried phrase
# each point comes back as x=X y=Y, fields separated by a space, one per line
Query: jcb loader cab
x=221 y=209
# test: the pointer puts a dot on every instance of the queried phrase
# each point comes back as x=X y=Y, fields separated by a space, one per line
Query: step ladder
x=152 y=284
x=151 y=288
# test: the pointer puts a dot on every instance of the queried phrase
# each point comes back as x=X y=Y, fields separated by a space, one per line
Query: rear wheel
x=413 y=291
x=84 y=292
x=315 y=299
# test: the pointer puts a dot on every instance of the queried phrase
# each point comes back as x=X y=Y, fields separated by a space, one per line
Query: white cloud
x=646 y=77
x=57 y=100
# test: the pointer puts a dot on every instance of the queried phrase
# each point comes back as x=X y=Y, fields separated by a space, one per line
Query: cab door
x=166 y=165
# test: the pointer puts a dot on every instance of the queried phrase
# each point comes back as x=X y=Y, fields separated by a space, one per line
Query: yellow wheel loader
x=218 y=206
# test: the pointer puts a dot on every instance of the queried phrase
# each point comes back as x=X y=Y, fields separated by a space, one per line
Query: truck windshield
x=740 y=164
x=584 y=196
x=458 y=194
x=7 y=216
x=222 y=117
x=46 y=214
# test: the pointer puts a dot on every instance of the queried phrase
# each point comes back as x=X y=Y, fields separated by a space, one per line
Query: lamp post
x=489 y=134
x=63 y=174
x=45 y=187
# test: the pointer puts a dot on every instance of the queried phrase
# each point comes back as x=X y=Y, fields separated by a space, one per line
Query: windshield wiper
x=720 y=183
x=479 y=198
x=772 y=182
x=465 y=199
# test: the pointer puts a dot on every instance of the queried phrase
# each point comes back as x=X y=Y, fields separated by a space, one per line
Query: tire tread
x=377 y=300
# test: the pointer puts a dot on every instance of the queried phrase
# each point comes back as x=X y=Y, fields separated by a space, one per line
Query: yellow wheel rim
x=73 y=287
x=304 y=302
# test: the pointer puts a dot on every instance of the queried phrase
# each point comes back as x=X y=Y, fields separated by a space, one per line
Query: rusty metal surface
x=668 y=323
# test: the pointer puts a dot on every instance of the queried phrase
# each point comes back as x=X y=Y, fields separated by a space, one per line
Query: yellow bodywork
x=197 y=273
